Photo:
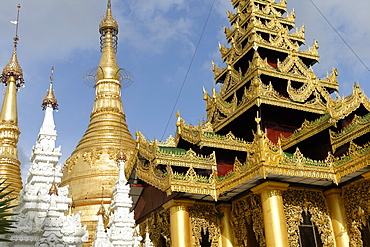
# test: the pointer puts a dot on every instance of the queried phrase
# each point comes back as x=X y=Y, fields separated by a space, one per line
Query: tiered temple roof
x=302 y=133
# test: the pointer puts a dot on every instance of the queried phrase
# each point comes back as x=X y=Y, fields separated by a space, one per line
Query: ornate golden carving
x=356 y=199
x=92 y=156
x=204 y=218
x=295 y=202
x=307 y=130
x=263 y=157
x=358 y=127
x=342 y=107
x=248 y=210
x=158 y=226
x=204 y=136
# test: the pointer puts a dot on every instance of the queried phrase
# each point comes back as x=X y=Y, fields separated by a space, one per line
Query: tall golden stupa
x=91 y=171
x=12 y=77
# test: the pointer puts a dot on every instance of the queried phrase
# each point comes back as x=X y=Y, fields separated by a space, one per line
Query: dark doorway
x=205 y=242
x=308 y=233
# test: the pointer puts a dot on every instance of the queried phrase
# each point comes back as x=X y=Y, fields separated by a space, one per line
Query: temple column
x=227 y=233
x=337 y=215
x=180 y=222
x=273 y=212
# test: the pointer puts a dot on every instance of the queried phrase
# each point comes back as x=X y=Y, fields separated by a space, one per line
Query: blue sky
x=157 y=40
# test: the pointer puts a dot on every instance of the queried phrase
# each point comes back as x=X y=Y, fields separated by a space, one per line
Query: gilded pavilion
x=279 y=161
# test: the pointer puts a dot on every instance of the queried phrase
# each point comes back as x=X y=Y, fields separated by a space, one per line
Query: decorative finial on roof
x=108 y=24
x=50 y=99
x=121 y=157
x=108 y=66
x=258 y=120
x=53 y=189
x=101 y=210
x=13 y=69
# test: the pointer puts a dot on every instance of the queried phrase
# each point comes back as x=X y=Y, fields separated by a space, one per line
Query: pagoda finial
x=13 y=69
x=108 y=66
x=108 y=5
x=50 y=99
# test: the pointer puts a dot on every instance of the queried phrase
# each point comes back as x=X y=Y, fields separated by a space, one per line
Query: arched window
x=251 y=240
x=365 y=234
x=205 y=240
x=308 y=234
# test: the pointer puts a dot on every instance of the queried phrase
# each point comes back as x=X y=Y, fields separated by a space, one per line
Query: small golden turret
x=50 y=99
x=12 y=77
x=53 y=189
x=92 y=164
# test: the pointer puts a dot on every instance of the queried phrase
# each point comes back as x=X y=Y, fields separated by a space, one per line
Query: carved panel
x=205 y=218
x=356 y=199
x=245 y=212
x=158 y=226
x=295 y=201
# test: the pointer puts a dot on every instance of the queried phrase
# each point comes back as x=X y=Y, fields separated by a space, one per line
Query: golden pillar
x=336 y=210
x=180 y=222
x=227 y=233
x=273 y=212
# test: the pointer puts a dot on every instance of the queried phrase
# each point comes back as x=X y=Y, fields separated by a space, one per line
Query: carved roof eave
x=276 y=163
x=307 y=130
x=188 y=159
x=342 y=107
x=268 y=100
x=303 y=54
x=221 y=72
x=281 y=4
x=204 y=136
x=328 y=84
x=289 y=19
x=359 y=126
x=228 y=92
x=260 y=28
x=155 y=155
x=130 y=163
x=345 y=106
x=232 y=51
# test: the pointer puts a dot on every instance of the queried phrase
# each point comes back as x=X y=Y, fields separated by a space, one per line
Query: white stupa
x=40 y=219
x=120 y=231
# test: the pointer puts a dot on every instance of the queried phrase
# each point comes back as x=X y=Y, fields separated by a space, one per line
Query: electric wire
x=190 y=65
x=326 y=19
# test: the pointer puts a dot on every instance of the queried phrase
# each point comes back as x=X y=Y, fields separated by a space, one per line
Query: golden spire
x=108 y=66
x=13 y=68
x=107 y=126
x=93 y=162
x=12 y=77
x=50 y=99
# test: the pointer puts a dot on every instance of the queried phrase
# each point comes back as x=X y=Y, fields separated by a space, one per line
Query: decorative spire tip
x=50 y=99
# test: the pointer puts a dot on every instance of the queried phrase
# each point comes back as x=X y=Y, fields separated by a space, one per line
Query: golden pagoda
x=92 y=165
x=12 y=77
x=279 y=160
